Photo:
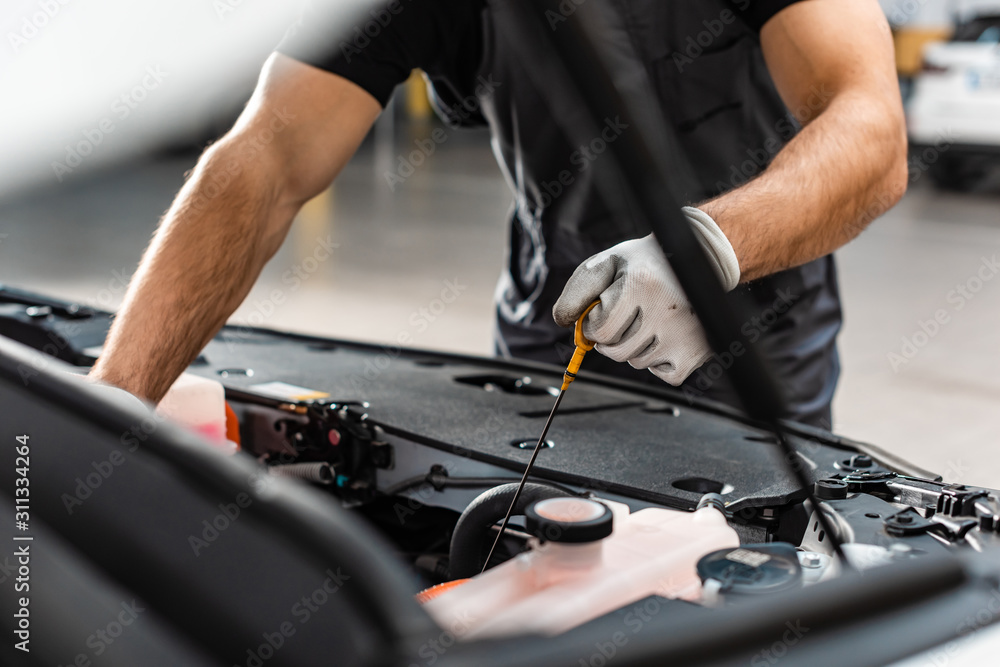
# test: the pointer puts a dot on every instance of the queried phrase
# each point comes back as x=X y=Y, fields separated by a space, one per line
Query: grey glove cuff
x=718 y=247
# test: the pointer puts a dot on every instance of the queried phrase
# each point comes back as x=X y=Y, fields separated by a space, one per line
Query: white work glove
x=644 y=317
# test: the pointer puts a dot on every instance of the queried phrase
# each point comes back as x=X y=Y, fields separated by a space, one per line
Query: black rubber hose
x=472 y=532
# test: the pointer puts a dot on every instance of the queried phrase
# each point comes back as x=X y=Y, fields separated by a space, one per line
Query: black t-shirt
x=707 y=74
x=444 y=38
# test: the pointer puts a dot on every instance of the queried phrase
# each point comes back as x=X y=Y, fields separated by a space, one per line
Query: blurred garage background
x=921 y=344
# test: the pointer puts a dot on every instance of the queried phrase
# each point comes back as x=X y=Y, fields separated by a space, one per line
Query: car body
x=952 y=112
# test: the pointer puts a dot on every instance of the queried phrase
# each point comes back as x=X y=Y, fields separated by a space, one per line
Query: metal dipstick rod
x=583 y=345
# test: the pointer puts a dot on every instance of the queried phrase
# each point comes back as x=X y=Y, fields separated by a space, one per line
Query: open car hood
x=117 y=495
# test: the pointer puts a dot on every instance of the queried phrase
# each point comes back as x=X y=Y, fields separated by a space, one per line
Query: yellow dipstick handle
x=583 y=346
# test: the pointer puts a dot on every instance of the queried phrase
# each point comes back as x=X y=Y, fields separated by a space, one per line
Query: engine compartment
x=411 y=446
x=410 y=441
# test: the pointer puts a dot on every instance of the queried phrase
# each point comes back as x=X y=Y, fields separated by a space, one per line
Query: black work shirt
x=705 y=70
x=444 y=38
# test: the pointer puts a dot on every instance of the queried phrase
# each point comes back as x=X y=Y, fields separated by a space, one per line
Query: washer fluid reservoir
x=199 y=404
x=586 y=559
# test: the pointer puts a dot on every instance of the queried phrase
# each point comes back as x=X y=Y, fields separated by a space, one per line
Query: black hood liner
x=611 y=435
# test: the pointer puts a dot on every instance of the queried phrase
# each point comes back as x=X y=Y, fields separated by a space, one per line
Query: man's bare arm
x=299 y=129
x=832 y=62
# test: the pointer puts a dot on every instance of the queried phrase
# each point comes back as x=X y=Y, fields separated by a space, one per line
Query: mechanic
x=788 y=111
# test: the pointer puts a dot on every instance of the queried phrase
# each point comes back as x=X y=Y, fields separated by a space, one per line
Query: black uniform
x=705 y=64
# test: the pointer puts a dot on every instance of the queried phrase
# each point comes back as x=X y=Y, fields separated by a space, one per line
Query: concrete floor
x=936 y=403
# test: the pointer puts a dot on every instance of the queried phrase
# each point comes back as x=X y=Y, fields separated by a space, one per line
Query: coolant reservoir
x=199 y=404
x=588 y=558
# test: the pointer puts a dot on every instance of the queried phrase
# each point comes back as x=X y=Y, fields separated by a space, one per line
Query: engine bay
x=685 y=506
x=426 y=447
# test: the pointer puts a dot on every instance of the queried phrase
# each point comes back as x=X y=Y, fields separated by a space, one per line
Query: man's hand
x=644 y=317
x=299 y=129
x=833 y=64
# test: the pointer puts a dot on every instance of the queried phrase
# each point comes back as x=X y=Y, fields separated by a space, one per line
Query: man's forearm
x=202 y=262
x=844 y=169
x=297 y=132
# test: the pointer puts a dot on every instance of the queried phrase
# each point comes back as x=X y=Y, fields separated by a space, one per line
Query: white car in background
x=953 y=116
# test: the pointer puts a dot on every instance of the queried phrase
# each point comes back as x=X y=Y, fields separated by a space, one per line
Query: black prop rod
x=572 y=66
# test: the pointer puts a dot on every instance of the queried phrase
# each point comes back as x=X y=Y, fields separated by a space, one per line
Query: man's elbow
x=883 y=180
x=896 y=168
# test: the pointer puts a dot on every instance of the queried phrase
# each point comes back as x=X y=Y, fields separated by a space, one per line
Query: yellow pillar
x=909 y=44
x=418 y=103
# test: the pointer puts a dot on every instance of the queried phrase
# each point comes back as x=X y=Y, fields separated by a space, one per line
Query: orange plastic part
x=232 y=426
x=426 y=595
